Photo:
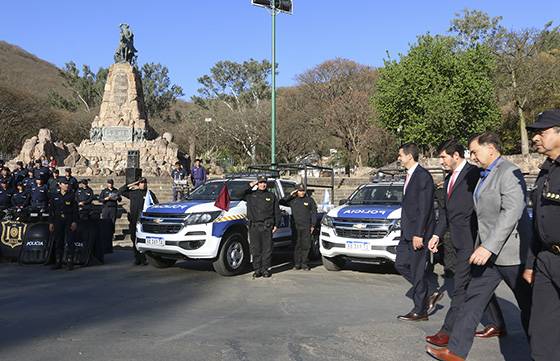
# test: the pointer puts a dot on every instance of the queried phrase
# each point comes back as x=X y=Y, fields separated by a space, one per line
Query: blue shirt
x=484 y=174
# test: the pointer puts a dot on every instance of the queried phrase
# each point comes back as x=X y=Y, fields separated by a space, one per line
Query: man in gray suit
x=502 y=245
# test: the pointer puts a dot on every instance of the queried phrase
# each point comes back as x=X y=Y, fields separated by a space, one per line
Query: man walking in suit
x=502 y=245
x=458 y=216
x=417 y=225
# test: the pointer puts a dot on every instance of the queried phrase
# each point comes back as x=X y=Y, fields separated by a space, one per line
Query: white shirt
x=408 y=175
x=455 y=174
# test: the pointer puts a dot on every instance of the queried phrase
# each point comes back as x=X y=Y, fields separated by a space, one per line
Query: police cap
x=84 y=181
x=545 y=120
x=301 y=187
x=261 y=179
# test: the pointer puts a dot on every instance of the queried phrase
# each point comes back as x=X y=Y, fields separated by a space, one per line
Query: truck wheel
x=159 y=262
x=332 y=264
x=234 y=255
x=314 y=253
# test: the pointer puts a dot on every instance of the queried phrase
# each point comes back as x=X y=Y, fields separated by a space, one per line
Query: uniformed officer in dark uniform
x=20 y=199
x=29 y=181
x=6 y=176
x=136 y=192
x=5 y=195
x=19 y=173
x=63 y=223
x=178 y=174
x=544 y=325
x=304 y=216
x=72 y=182
x=52 y=182
x=84 y=197
x=39 y=171
x=264 y=218
x=39 y=194
x=110 y=198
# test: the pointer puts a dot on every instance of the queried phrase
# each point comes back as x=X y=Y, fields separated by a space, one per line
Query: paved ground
x=120 y=312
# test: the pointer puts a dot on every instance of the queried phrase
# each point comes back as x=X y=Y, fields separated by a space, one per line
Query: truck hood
x=186 y=207
x=369 y=211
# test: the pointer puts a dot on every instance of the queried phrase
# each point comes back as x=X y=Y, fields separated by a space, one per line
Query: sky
x=190 y=36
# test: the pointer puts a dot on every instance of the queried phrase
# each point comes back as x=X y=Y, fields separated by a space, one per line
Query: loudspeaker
x=133 y=159
x=132 y=175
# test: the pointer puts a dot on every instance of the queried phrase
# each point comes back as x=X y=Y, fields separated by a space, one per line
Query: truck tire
x=159 y=262
x=234 y=255
x=331 y=264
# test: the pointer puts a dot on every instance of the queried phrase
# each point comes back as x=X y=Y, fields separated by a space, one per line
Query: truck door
x=284 y=232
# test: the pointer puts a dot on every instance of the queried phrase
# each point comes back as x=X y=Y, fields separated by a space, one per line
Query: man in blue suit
x=417 y=226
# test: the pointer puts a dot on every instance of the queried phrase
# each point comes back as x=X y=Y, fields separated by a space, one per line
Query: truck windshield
x=210 y=190
x=378 y=194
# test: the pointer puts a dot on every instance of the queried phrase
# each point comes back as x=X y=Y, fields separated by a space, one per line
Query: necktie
x=451 y=184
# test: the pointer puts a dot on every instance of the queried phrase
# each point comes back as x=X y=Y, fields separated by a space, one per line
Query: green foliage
x=86 y=88
x=437 y=92
x=159 y=94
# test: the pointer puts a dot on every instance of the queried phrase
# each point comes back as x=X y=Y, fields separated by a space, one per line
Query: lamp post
x=208 y=121
x=275 y=6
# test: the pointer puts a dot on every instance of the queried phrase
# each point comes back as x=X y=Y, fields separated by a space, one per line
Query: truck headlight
x=396 y=226
x=327 y=221
x=200 y=218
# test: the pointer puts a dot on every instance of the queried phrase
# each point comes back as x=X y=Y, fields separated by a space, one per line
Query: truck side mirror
x=342 y=202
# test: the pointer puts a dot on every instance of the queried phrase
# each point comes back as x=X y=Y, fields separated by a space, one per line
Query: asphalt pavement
x=120 y=312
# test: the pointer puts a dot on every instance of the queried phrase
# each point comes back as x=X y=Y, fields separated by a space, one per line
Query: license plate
x=357 y=245
x=159 y=242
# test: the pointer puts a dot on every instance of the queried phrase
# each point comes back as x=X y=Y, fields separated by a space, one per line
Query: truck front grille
x=161 y=228
x=361 y=233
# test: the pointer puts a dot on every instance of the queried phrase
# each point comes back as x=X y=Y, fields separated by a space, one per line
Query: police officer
x=545 y=311
x=136 y=192
x=5 y=195
x=63 y=224
x=198 y=173
x=264 y=218
x=178 y=174
x=29 y=181
x=52 y=182
x=7 y=177
x=110 y=198
x=39 y=194
x=39 y=171
x=304 y=216
x=84 y=197
x=20 y=199
x=19 y=173
x=72 y=182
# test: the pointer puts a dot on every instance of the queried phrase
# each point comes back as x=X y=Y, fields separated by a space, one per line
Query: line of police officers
x=66 y=200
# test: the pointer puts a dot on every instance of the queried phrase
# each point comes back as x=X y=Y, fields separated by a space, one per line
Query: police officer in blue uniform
x=63 y=224
x=20 y=199
x=29 y=181
x=39 y=194
x=40 y=171
x=72 y=182
x=84 y=197
x=5 y=195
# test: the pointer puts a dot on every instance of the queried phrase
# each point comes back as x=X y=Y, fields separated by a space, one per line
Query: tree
x=87 y=88
x=340 y=90
x=436 y=92
x=236 y=96
x=159 y=93
x=528 y=62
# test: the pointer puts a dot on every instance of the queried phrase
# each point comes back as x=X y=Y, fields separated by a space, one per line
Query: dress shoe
x=443 y=354
x=257 y=274
x=70 y=266
x=490 y=331
x=266 y=274
x=440 y=339
x=297 y=267
x=411 y=316
x=305 y=267
x=433 y=301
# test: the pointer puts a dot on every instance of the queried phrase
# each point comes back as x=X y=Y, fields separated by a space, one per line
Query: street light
x=284 y=6
x=208 y=121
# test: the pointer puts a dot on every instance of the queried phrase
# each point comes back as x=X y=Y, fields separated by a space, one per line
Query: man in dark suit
x=417 y=226
x=501 y=248
x=458 y=216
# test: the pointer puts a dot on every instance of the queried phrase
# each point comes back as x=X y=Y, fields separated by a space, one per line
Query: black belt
x=554 y=248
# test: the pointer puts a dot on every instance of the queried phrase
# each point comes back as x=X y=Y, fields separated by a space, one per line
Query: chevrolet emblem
x=158 y=220
x=359 y=226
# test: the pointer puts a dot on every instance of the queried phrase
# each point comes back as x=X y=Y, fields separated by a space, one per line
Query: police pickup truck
x=195 y=228
x=365 y=228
